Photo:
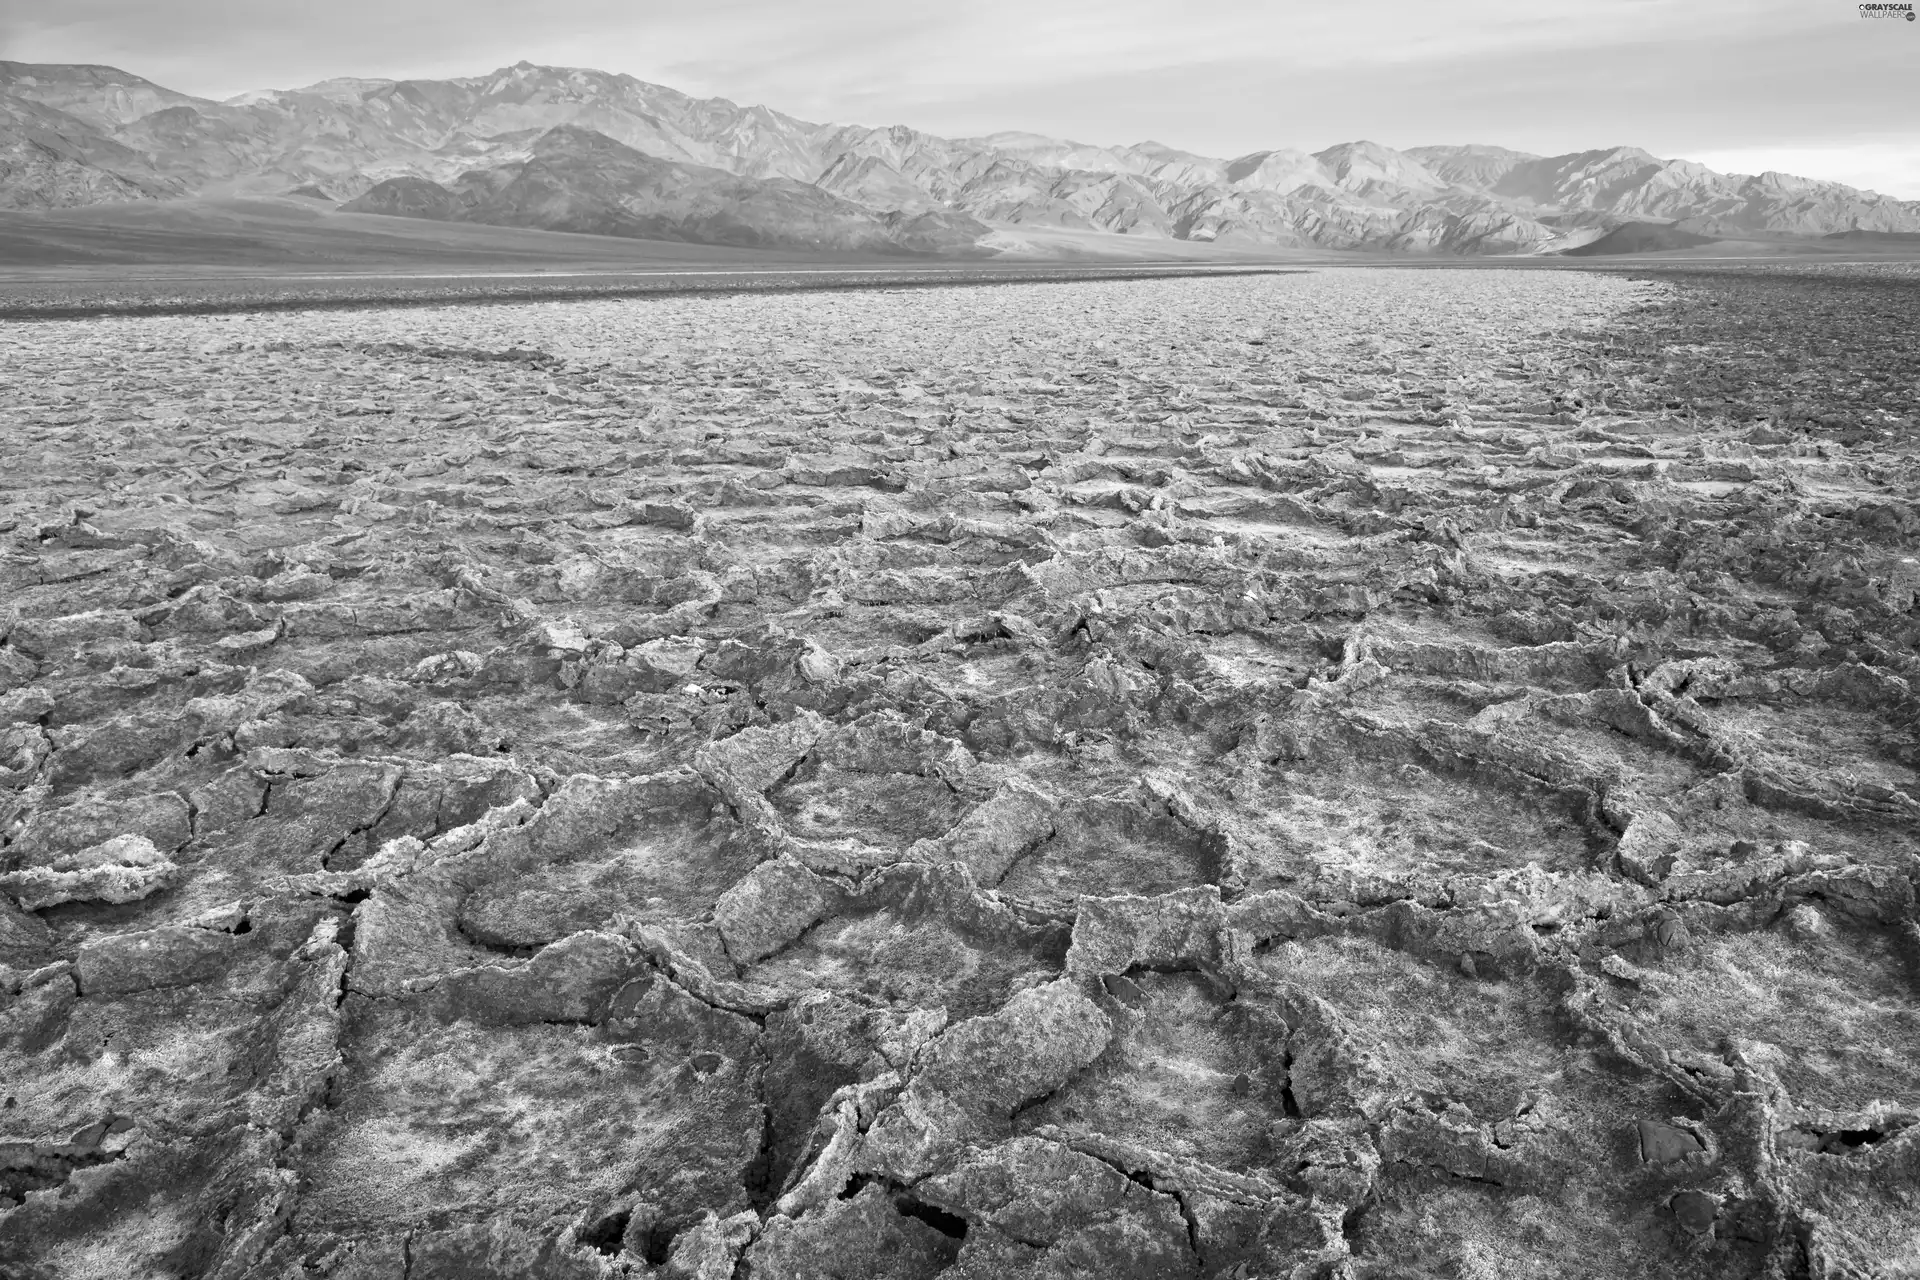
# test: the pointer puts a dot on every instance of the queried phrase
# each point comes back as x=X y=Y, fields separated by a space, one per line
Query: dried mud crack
x=1354 y=773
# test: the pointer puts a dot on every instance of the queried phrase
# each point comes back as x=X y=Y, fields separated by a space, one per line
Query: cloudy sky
x=1805 y=86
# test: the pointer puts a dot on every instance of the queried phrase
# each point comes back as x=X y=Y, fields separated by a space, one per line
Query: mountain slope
x=379 y=140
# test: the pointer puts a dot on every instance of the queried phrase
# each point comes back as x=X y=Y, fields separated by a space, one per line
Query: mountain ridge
x=73 y=134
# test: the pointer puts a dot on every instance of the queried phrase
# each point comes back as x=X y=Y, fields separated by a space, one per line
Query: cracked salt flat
x=999 y=780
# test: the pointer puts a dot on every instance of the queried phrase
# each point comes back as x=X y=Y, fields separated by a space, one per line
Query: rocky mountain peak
x=1354 y=164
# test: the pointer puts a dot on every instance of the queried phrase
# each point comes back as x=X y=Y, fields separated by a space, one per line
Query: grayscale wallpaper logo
x=1892 y=12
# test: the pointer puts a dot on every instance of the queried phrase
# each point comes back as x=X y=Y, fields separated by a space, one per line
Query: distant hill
x=1875 y=238
x=526 y=145
x=105 y=97
x=1639 y=237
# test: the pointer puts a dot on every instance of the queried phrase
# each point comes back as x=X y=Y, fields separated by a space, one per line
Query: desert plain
x=1353 y=772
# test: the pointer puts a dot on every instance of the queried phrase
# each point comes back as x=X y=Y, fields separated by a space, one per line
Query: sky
x=1803 y=86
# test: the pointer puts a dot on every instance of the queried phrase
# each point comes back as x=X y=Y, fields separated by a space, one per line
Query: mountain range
x=580 y=150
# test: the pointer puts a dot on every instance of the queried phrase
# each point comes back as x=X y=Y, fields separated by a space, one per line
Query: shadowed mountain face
x=575 y=179
x=1640 y=237
x=52 y=160
x=526 y=145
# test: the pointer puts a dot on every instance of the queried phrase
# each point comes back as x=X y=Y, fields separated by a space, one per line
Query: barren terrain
x=36 y=297
x=1351 y=773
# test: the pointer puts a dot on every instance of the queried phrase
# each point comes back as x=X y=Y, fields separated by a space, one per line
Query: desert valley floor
x=1372 y=773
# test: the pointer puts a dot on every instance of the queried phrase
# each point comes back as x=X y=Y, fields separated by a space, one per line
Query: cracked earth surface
x=1358 y=773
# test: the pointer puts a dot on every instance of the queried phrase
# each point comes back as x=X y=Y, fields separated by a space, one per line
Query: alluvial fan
x=1360 y=773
